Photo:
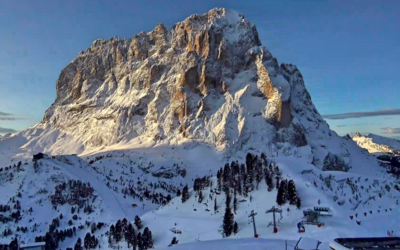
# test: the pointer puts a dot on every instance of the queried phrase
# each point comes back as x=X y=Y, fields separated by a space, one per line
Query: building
x=33 y=246
x=38 y=156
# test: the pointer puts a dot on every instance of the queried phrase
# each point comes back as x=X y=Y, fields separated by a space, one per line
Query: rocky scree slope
x=208 y=79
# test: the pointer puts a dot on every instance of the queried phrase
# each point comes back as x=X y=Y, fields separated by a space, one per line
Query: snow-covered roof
x=33 y=244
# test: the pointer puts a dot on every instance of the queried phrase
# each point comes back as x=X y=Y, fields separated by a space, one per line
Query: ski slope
x=248 y=244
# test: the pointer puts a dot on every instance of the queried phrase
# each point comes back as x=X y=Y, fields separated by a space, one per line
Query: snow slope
x=35 y=189
x=208 y=224
x=247 y=244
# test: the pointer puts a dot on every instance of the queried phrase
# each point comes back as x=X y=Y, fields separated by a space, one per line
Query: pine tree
x=226 y=177
x=94 y=242
x=12 y=246
x=200 y=196
x=118 y=231
x=112 y=231
x=270 y=182
x=235 y=228
x=138 y=222
x=259 y=172
x=298 y=203
x=249 y=161
x=147 y=238
x=215 y=205
x=150 y=239
x=228 y=217
x=234 y=203
x=228 y=200
x=263 y=156
x=78 y=245
x=130 y=235
x=285 y=188
x=228 y=222
x=245 y=186
x=185 y=194
x=51 y=243
x=250 y=172
x=86 y=241
x=239 y=185
x=220 y=182
x=292 y=193
x=140 y=241
x=281 y=195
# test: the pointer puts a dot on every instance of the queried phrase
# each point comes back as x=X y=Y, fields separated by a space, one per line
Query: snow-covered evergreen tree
x=228 y=221
x=185 y=194
x=298 y=203
x=138 y=222
x=200 y=198
x=292 y=193
x=282 y=194
x=147 y=239
x=234 y=203
x=78 y=244
x=235 y=228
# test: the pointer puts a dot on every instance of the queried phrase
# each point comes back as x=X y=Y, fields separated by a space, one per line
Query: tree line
x=124 y=230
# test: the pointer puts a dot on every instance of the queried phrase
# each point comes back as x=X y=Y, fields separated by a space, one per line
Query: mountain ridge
x=207 y=80
x=377 y=144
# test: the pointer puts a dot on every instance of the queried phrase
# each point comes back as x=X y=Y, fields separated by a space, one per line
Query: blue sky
x=347 y=51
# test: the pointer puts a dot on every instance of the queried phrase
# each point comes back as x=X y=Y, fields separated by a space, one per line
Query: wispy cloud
x=7 y=130
x=362 y=114
x=11 y=117
x=391 y=131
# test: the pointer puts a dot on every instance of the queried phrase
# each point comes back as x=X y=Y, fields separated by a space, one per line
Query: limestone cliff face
x=207 y=79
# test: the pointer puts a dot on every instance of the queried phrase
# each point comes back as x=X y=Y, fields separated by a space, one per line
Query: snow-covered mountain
x=137 y=119
x=208 y=80
x=377 y=144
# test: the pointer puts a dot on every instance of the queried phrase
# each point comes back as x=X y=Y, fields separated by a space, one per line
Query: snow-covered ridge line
x=377 y=144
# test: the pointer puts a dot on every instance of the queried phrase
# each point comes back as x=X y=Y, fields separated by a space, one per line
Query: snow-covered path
x=111 y=201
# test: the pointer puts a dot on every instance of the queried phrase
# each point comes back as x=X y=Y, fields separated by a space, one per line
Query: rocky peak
x=207 y=79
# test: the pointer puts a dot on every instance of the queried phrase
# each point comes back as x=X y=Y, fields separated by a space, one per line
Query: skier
x=300 y=226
